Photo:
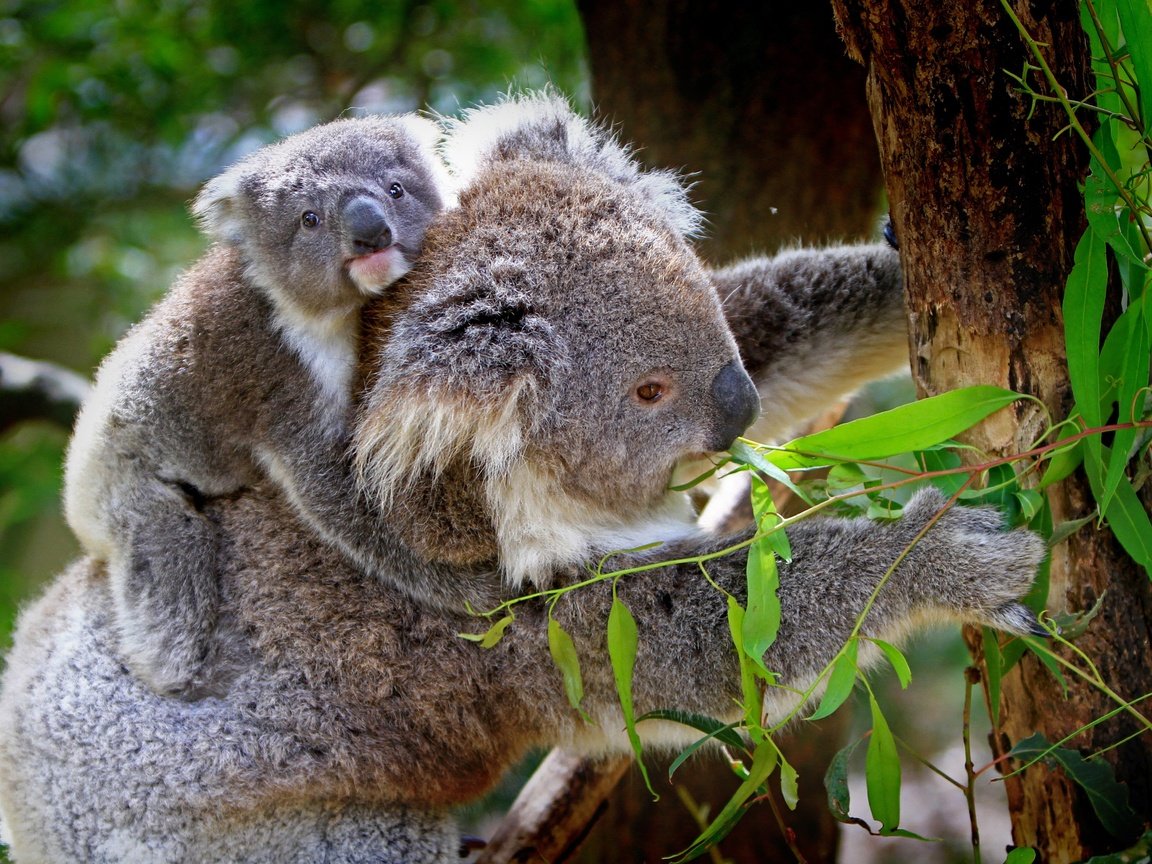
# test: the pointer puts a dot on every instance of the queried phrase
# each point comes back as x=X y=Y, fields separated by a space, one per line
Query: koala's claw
x=1018 y=619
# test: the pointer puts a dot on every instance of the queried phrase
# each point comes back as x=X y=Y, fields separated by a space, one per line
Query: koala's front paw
x=970 y=566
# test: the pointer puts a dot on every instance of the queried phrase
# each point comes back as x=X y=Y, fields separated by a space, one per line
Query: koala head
x=328 y=217
x=560 y=340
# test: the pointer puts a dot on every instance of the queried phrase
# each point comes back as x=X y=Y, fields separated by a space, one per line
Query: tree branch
x=38 y=390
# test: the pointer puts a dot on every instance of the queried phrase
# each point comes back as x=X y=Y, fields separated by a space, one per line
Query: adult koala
x=530 y=387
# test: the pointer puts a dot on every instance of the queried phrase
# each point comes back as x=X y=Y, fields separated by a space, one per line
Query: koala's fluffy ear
x=218 y=206
x=543 y=126
x=459 y=376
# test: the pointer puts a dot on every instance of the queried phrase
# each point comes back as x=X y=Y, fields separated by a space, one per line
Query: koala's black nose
x=737 y=405
x=366 y=225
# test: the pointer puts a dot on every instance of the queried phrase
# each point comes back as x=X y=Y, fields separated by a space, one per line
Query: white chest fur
x=326 y=345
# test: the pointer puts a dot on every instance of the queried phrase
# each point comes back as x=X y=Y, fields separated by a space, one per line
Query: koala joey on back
x=245 y=368
x=531 y=386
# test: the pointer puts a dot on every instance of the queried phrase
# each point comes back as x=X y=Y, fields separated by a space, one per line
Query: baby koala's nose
x=366 y=224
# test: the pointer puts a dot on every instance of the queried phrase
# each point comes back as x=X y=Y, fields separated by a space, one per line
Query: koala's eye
x=650 y=391
x=309 y=219
x=395 y=191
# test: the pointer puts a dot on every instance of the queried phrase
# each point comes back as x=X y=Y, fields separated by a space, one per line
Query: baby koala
x=244 y=370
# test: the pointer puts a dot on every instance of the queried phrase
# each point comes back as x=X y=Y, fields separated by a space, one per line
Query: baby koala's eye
x=649 y=391
x=309 y=219
x=395 y=191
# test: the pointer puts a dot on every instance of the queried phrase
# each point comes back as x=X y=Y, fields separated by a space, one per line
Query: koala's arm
x=316 y=473
x=813 y=325
x=965 y=568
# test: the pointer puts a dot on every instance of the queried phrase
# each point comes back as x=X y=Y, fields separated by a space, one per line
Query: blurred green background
x=113 y=113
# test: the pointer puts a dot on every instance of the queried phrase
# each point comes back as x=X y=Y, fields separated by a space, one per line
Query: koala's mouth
x=377 y=270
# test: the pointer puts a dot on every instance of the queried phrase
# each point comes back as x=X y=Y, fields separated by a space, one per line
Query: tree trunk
x=985 y=201
x=758 y=98
x=762 y=101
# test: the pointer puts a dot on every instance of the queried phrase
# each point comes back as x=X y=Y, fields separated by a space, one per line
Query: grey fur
x=538 y=306
x=244 y=368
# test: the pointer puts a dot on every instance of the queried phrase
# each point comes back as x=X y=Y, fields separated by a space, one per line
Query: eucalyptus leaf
x=563 y=653
x=882 y=772
x=748 y=690
x=764 y=760
x=623 y=640
x=840 y=681
x=1021 y=855
x=1109 y=798
x=1083 y=312
x=762 y=616
x=915 y=426
x=743 y=453
x=492 y=635
x=896 y=658
x=789 y=783
x=1136 y=22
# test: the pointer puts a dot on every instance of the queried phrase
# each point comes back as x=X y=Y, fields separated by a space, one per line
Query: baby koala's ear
x=219 y=206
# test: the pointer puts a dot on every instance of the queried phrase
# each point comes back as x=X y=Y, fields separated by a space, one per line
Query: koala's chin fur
x=529 y=388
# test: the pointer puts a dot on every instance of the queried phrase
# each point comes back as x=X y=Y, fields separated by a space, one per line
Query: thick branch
x=37 y=390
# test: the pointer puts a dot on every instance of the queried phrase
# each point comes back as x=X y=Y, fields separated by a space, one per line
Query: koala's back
x=181 y=397
x=159 y=779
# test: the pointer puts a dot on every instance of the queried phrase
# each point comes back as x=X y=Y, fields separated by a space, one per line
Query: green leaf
x=1044 y=654
x=943 y=460
x=1107 y=214
x=896 y=658
x=563 y=652
x=749 y=692
x=882 y=772
x=1064 y=530
x=840 y=681
x=743 y=453
x=1083 y=312
x=1073 y=624
x=762 y=616
x=622 y=642
x=725 y=733
x=789 y=783
x=764 y=759
x=1106 y=97
x=915 y=426
x=764 y=509
x=845 y=476
x=1128 y=346
x=1062 y=464
x=492 y=635
x=1021 y=855
x=1136 y=23
x=716 y=731
x=836 y=786
x=1030 y=502
x=1109 y=799
x=1126 y=517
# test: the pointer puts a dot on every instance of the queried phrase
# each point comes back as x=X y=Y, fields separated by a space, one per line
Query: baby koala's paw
x=973 y=567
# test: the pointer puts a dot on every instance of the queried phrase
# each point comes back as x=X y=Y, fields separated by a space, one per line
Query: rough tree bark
x=985 y=202
x=761 y=100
